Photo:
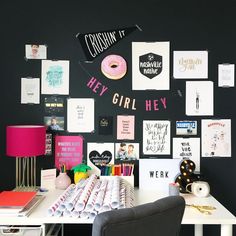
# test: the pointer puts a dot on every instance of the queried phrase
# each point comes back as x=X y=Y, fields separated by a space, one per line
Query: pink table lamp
x=25 y=142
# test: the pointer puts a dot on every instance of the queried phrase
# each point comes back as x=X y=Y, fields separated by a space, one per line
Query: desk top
x=191 y=216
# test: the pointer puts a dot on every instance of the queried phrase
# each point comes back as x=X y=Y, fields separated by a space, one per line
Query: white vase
x=62 y=181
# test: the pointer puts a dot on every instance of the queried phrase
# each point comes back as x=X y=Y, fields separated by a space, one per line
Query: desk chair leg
x=226 y=230
x=198 y=230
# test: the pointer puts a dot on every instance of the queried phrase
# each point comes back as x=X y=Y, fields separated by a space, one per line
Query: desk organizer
x=127 y=179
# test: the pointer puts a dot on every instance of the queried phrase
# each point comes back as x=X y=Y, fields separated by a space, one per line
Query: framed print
x=127 y=151
x=186 y=127
x=30 y=91
x=80 y=115
x=199 y=98
x=55 y=77
x=226 y=75
x=190 y=64
x=125 y=127
x=35 y=51
x=156 y=137
x=216 y=138
x=150 y=65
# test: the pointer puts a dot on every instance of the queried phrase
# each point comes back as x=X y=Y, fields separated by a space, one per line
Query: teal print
x=54 y=76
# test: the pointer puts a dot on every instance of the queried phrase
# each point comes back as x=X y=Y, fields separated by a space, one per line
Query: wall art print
x=68 y=151
x=156 y=137
x=199 y=98
x=216 y=138
x=150 y=65
x=125 y=127
x=190 y=64
x=35 y=51
x=99 y=154
x=105 y=125
x=54 y=105
x=80 y=115
x=30 y=91
x=55 y=77
x=187 y=148
x=226 y=75
x=126 y=151
x=186 y=127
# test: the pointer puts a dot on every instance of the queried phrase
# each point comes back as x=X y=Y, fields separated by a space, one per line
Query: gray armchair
x=160 y=218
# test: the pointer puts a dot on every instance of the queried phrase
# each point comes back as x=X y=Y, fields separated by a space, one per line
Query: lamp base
x=26 y=174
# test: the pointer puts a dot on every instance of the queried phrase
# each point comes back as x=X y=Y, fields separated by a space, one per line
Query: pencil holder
x=62 y=181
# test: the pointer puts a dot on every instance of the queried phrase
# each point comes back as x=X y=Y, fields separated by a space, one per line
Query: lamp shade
x=25 y=140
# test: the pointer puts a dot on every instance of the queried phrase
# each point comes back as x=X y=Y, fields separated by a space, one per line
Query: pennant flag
x=94 y=44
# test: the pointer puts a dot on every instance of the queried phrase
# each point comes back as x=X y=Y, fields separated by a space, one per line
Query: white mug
x=199 y=188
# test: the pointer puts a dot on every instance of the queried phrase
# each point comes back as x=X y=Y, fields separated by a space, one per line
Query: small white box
x=128 y=179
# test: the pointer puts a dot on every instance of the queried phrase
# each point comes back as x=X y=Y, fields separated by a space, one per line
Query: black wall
x=188 y=25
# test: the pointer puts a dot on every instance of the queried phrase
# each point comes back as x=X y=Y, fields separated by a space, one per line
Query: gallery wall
x=187 y=26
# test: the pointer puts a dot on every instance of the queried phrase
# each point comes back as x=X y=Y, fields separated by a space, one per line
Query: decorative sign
x=199 y=98
x=55 y=77
x=35 y=51
x=216 y=138
x=30 y=91
x=226 y=75
x=105 y=125
x=187 y=148
x=125 y=102
x=156 y=104
x=127 y=151
x=80 y=115
x=96 y=86
x=68 y=151
x=157 y=174
x=95 y=43
x=190 y=64
x=99 y=154
x=156 y=137
x=150 y=65
x=125 y=127
x=186 y=127
x=54 y=105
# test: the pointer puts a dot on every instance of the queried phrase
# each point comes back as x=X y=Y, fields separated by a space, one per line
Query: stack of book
x=14 y=203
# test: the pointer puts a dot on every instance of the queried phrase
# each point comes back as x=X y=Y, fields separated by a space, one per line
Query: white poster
x=35 y=51
x=55 y=77
x=156 y=137
x=187 y=148
x=157 y=174
x=150 y=65
x=190 y=64
x=99 y=154
x=199 y=98
x=226 y=75
x=80 y=115
x=30 y=91
x=216 y=138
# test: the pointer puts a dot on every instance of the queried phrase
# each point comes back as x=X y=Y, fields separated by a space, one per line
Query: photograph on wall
x=54 y=105
x=99 y=154
x=55 y=77
x=199 y=98
x=150 y=65
x=127 y=151
x=105 y=125
x=30 y=91
x=80 y=115
x=187 y=148
x=125 y=127
x=156 y=137
x=35 y=51
x=190 y=64
x=68 y=151
x=48 y=146
x=157 y=173
x=226 y=75
x=186 y=127
x=54 y=123
x=216 y=138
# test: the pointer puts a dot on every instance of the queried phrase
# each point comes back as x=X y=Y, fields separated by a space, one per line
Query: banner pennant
x=95 y=43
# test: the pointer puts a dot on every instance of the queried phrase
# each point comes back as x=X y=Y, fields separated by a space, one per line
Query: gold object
x=203 y=209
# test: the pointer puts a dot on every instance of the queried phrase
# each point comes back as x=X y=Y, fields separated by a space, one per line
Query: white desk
x=219 y=216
